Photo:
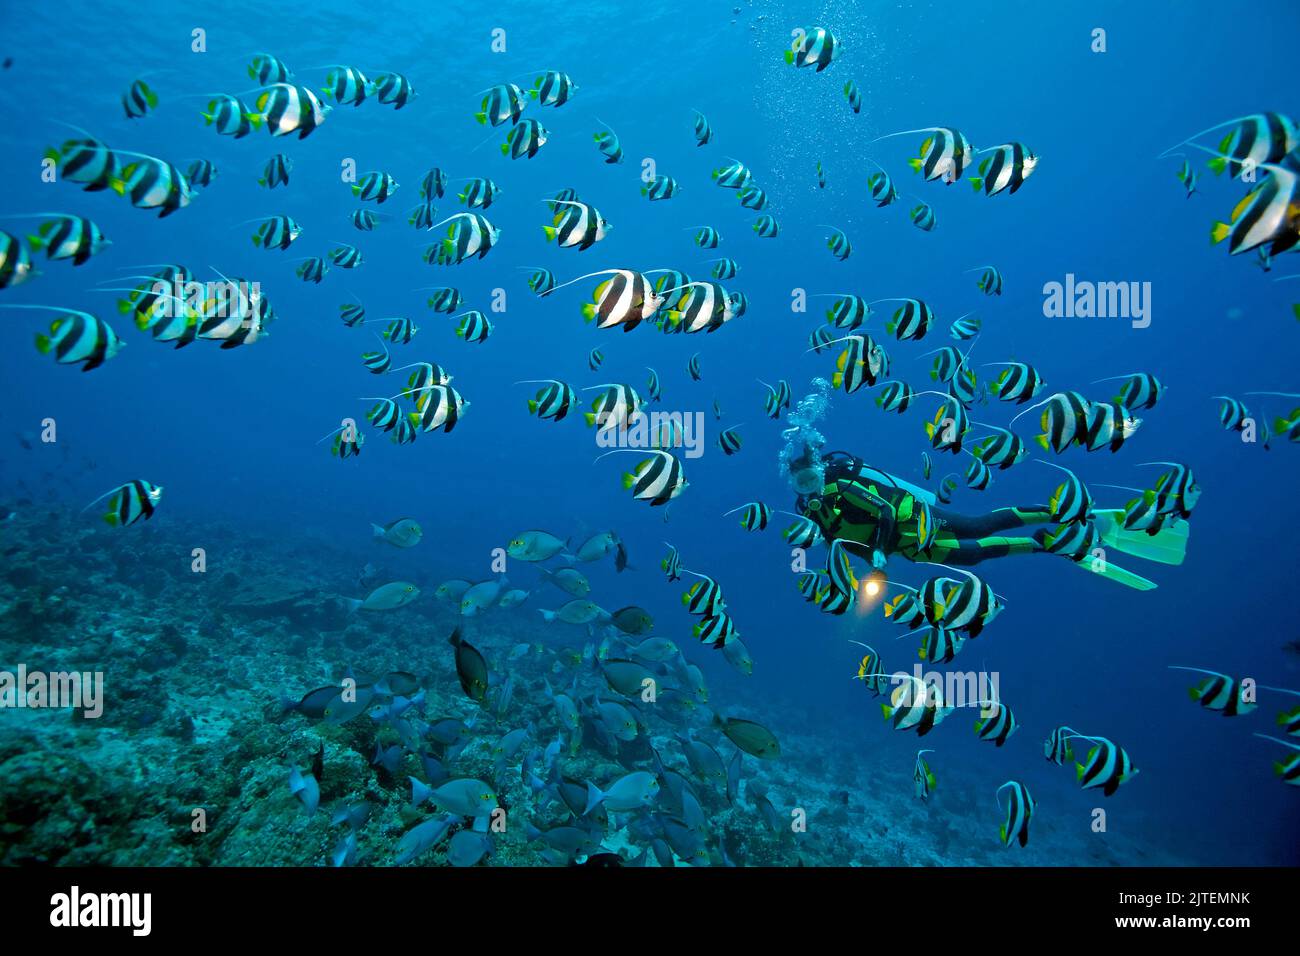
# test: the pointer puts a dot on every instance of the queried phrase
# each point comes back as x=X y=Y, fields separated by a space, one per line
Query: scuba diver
x=877 y=515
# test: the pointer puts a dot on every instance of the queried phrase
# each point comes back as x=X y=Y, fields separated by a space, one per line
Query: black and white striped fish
x=421 y=217
x=1219 y=692
x=540 y=280
x=554 y=400
x=753 y=197
x=352 y=313
x=996 y=722
x=1268 y=214
x=754 y=515
x=392 y=89
x=284 y=108
x=990 y=280
x=378 y=362
x=703 y=131
x=347 y=85
x=706 y=308
x=1002 y=449
x=838 y=243
x=923 y=776
x=859 y=364
x=854 y=96
x=76 y=337
x=1008 y=168
x=939 y=645
x=439 y=407
x=384 y=415
x=882 y=187
x=153 y=184
x=911 y=321
x=767 y=227
x=1018 y=383
x=659 y=188
x=445 y=299
x=777 y=399
x=1056 y=748
x=346 y=256
x=201 y=172
x=68 y=237
x=138 y=100
x=87 y=162
x=1109 y=425
x=716 y=629
x=1232 y=413
x=915 y=705
x=965 y=327
x=552 y=88
x=595 y=359
x=734 y=176
x=871 y=671
x=1019 y=811
x=479 y=193
x=501 y=104
x=626 y=298
x=726 y=268
x=276 y=232
x=672 y=563
x=434 y=184
x=1076 y=540
x=313 y=269
x=1106 y=767
x=944 y=154
x=267 y=69
x=376 y=186
x=657 y=480
x=474 y=326
x=653 y=392
x=704 y=597
x=1071 y=501
x=130 y=502
x=1140 y=389
x=706 y=237
x=468 y=235
x=1253 y=141
x=816 y=47
x=693 y=367
x=576 y=225
x=896 y=397
x=276 y=172
x=922 y=216
x=614 y=407
x=525 y=139
x=729 y=440
x=229 y=115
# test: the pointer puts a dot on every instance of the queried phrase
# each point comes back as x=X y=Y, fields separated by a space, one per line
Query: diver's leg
x=965 y=551
x=1001 y=519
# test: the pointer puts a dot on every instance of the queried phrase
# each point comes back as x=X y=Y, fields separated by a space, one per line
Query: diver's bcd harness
x=863 y=506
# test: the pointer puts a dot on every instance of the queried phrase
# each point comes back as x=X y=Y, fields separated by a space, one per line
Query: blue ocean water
x=232 y=435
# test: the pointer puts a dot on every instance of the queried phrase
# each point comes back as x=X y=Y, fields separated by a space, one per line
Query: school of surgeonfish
x=629 y=683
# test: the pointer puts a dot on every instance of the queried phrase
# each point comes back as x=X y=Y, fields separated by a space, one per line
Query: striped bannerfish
x=821 y=176
x=914 y=705
x=1076 y=540
x=673 y=286
x=138 y=100
x=276 y=172
x=1019 y=383
x=276 y=232
x=595 y=359
x=661 y=187
x=990 y=280
x=854 y=96
x=164 y=316
x=838 y=243
x=468 y=235
x=657 y=480
x=1218 y=692
x=384 y=415
x=968 y=605
x=346 y=256
x=1008 y=168
x=965 y=327
x=378 y=362
x=653 y=392
x=474 y=326
x=926 y=465
x=347 y=85
x=1064 y=420
x=729 y=440
x=726 y=268
x=1232 y=413
x=1269 y=213
x=392 y=89
x=1140 y=389
x=754 y=515
x=964 y=387
x=201 y=172
x=948 y=361
x=706 y=308
x=615 y=407
x=816 y=47
x=820 y=339
x=87 y=162
x=130 y=502
x=939 y=645
x=422 y=215
x=738 y=303
x=76 y=336
x=286 y=108
x=858 y=365
x=552 y=88
x=767 y=227
x=849 y=312
x=1107 y=766
x=68 y=237
x=235 y=313
x=922 y=216
x=703 y=131
x=1289 y=767
x=1071 y=501
x=501 y=104
x=978 y=475
x=479 y=193
x=944 y=154
x=577 y=225
x=425 y=376
x=1288 y=720
x=1254 y=141
x=704 y=597
x=896 y=397
x=809 y=583
x=1002 y=449
x=777 y=399
x=626 y=298
x=405 y=432
x=445 y=299
x=313 y=269
x=438 y=407
x=434 y=184
x=153 y=184
x=802 y=533
x=752 y=197
x=1143 y=513
x=693 y=367
x=831 y=600
x=911 y=321
x=672 y=563
x=1020 y=808
x=948 y=427
x=525 y=139
x=1286 y=426
x=540 y=280
x=345 y=447
x=352 y=313
x=1056 y=748
x=375 y=187
x=996 y=722
x=1187 y=176
x=871 y=672
x=923 y=776
x=716 y=629
x=706 y=237
x=608 y=145
x=881 y=186
x=268 y=69
x=553 y=400
x=905 y=609
x=947 y=485
x=1109 y=423
x=229 y=115
x=734 y=176
x=839 y=568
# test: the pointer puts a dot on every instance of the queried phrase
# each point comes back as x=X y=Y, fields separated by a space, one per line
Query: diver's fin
x=1114 y=572
x=1167 y=546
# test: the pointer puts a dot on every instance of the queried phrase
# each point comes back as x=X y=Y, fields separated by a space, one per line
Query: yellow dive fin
x=1167 y=546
